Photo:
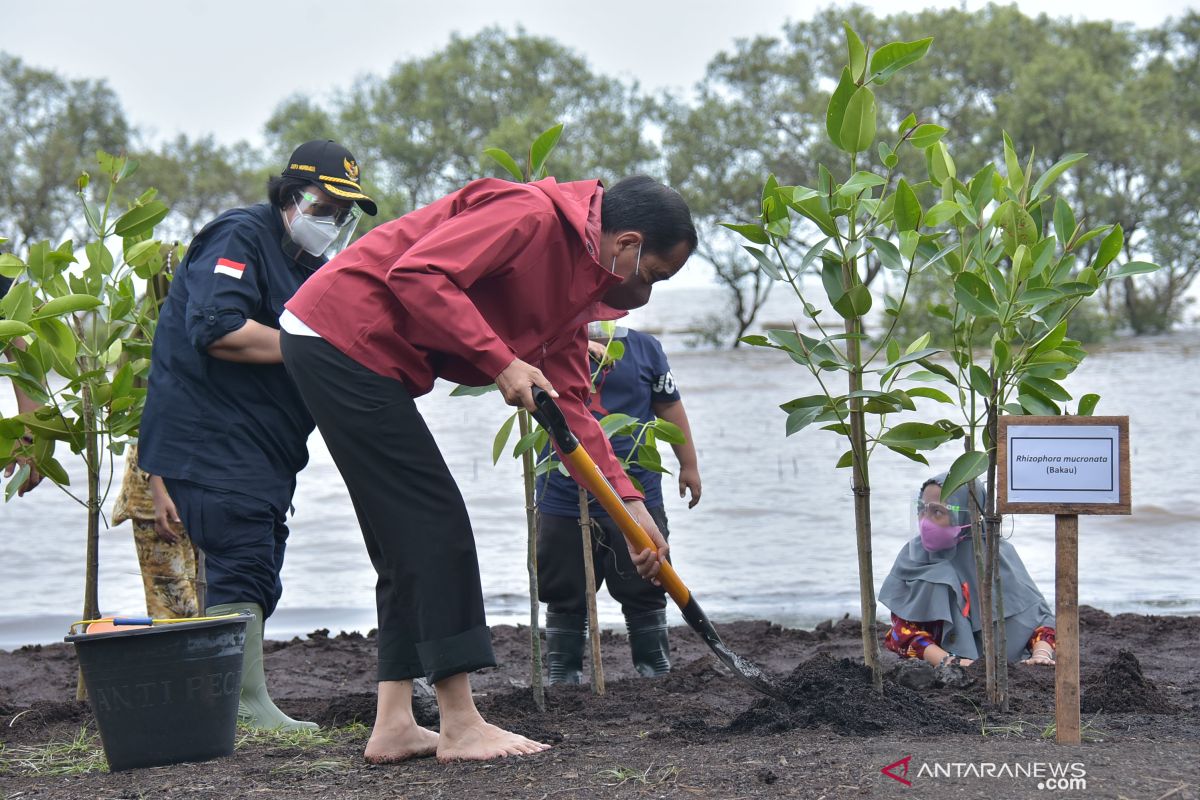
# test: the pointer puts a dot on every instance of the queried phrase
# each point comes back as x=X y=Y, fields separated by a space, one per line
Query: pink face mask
x=936 y=537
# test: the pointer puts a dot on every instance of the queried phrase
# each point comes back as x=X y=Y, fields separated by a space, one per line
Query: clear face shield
x=323 y=229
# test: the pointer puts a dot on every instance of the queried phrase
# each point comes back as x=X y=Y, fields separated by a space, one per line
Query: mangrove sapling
x=866 y=222
x=1011 y=282
x=535 y=169
x=78 y=357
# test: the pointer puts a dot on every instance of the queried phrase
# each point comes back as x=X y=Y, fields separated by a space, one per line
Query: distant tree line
x=1125 y=96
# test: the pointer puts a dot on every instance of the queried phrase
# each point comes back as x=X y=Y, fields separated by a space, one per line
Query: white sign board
x=1063 y=463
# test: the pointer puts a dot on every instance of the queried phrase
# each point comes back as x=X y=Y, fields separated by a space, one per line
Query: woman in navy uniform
x=224 y=426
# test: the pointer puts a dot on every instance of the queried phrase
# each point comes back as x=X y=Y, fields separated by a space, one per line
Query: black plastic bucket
x=165 y=694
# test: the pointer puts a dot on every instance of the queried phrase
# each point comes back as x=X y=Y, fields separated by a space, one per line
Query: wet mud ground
x=697 y=732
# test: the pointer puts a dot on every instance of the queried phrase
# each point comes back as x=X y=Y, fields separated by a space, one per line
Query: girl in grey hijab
x=932 y=584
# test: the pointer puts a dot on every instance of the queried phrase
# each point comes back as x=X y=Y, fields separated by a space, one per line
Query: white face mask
x=313 y=234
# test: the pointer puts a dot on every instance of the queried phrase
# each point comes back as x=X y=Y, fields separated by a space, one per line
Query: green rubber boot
x=255 y=707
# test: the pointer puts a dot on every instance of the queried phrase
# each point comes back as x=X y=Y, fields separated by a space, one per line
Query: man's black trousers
x=412 y=515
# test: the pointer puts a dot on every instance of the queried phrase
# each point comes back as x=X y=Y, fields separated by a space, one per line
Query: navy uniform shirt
x=631 y=385
x=218 y=423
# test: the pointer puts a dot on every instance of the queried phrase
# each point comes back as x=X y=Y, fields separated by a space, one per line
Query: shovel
x=551 y=418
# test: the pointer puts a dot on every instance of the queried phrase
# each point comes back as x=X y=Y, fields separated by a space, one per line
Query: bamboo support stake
x=589 y=576
x=535 y=638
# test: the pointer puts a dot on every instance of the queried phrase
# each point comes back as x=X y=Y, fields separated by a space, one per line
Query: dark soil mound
x=836 y=694
x=41 y=716
x=1121 y=686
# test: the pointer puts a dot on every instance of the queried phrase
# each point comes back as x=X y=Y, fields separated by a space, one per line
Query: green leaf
x=1045 y=386
x=831 y=278
x=540 y=150
x=813 y=209
x=1110 y=248
x=1001 y=354
x=1018 y=226
x=754 y=233
x=1016 y=177
x=141 y=219
x=54 y=471
x=669 y=432
x=859 y=181
x=858 y=125
x=926 y=135
x=981 y=382
x=618 y=423
x=835 y=113
x=908 y=207
x=909 y=454
x=801 y=418
x=846 y=460
x=942 y=212
x=1092 y=234
x=893 y=57
x=1050 y=340
x=940 y=165
x=919 y=346
x=140 y=254
x=1051 y=175
x=10 y=265
x=527 y=442
x=1034 y=402
x=918 y=356
x=18 y=480
x=1087 y=404
x=502 y=158
x=854 y=303
x=930 y=393
x=888 y=253
x=966 y=468
x=764 y=262
x=502 y=438
x=67 y=304
x=973 y=294
x=856 y=53
x=914 y=436
x=1131 y=268
x=10 y=328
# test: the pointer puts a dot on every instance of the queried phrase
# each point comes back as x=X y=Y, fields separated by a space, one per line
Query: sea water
x=772 y=538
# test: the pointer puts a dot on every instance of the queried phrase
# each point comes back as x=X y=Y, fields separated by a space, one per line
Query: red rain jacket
x=458 y=289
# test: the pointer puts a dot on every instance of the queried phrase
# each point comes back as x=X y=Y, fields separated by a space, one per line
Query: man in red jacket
x=493 y=283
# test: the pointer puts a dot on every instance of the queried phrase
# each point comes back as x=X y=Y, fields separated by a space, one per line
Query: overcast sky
x=221 y=66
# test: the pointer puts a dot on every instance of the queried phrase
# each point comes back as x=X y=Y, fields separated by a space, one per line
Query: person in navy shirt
x=641 y=385
x=224 y=426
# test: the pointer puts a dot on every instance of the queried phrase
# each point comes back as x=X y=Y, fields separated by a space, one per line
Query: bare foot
x=393 y=745
x=483 y=741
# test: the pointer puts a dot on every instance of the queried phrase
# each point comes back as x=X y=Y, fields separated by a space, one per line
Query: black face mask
x=633 y=292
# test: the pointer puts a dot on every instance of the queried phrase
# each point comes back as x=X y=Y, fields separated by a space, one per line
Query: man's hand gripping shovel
x=551 y=418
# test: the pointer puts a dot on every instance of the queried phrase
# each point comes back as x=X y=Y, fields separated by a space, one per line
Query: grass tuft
x=79 y=756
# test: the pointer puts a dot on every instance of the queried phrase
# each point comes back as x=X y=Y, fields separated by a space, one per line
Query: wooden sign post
x=1065 y=466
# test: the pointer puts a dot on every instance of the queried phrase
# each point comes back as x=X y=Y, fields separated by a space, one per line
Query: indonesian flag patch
x=233 y=269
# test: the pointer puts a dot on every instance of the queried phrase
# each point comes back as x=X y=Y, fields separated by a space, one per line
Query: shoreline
x=289 y=624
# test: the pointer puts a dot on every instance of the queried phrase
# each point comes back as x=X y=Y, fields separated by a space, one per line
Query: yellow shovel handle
x=595 y=482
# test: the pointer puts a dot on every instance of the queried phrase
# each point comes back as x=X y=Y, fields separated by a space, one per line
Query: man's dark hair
x=656 y=211
x=282 y=191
